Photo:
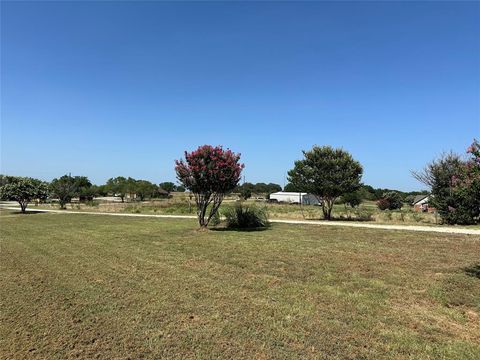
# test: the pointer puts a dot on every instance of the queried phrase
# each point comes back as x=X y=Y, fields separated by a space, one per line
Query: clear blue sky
x=123 y=88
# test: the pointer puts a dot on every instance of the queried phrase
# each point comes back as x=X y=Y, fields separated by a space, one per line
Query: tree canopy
x=209 y=173
x=65 y=189
x=145 y=189
x=326 y=173
x=23 y=190
x=168 y=186
x=118 y=186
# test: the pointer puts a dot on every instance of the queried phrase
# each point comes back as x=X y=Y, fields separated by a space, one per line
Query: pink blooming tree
x=209 y=173
x=466 y=188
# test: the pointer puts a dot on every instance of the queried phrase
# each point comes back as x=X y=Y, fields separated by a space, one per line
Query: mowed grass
x=85 y=286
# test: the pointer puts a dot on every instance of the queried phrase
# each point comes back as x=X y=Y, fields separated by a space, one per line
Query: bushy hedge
x=246 y=217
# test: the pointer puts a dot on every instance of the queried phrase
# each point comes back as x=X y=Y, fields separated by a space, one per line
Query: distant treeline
x=128 y=188
x=366 y=192
x=68 y=187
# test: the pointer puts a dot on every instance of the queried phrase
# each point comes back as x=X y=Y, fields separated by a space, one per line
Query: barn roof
x=418 y=198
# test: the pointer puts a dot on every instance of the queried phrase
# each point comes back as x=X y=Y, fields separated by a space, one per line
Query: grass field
x=84 y=286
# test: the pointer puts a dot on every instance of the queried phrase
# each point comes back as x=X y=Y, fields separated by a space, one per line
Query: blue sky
x=123 y=88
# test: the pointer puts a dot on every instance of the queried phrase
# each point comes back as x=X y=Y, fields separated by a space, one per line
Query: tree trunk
x=325 y=212
x=203 y=201
x=202 y=204
x=327 y=206
x=23 y=206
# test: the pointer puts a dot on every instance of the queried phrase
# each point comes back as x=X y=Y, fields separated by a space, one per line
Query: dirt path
x=438 y=229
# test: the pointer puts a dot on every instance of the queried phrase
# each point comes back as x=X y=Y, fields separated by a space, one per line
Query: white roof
x=289 y=193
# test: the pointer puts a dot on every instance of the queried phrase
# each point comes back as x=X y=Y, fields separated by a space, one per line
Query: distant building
x=295 y=198
x=420 y=204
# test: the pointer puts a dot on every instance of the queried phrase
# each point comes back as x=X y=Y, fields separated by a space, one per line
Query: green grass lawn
x=84 y=286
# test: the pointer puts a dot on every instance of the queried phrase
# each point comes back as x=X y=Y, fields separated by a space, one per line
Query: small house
x=420 y=204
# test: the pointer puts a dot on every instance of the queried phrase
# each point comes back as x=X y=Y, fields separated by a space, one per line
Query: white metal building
x=295 y=198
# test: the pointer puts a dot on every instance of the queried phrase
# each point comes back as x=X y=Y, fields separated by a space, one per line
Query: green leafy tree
x=84 y=188
x=168 y=186
x=131 y=187
x=23 y=190
x=180 y=188
x=326 y=173
x=352 y=199
x=440 y=175
x=245 y=193
x=260 y=188
x=145 y=189
x=118 y=186
x=209 y=173
x=65 y=189
x=5 y=179
x=272 y=188
x=291 y=188
x=101 y=190
x=245 y=190
x=466 y=189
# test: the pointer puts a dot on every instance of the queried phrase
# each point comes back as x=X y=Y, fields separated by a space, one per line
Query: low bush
x=92 y=203
x=246 y=217
x=363 y=215
x=417 y=217
x=383 y=204
x=390 y=200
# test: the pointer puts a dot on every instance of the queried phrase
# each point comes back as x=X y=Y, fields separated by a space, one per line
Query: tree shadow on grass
x=28 y=212
x=473 y=271
x=240 y=229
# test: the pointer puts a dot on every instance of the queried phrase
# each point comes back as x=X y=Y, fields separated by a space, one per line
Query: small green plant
x=388 y=215
x=417 y=217
x=92 y=203
x=363 y=215
x=215 y=221
x=246 y=217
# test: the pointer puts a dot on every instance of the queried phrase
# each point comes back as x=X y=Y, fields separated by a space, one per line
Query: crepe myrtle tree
x=23 y=190
x=326 y=173
x=466 y=190
x=209 y=173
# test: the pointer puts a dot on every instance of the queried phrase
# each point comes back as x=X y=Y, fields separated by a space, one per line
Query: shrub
x=246 y=217
x=245 y=193
x=383 y=204
x=390 y=200
x=416 y=217
x=215 y=221
x=353 y=199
